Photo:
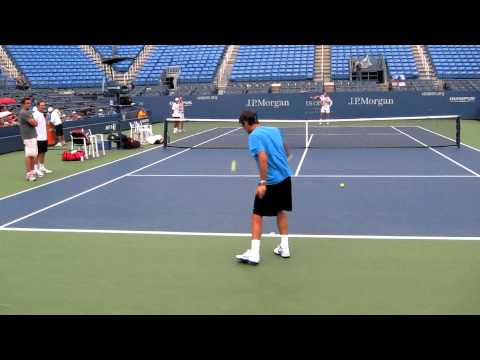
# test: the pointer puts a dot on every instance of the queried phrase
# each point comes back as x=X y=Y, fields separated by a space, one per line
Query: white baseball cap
x=177 y=99
x=50 y=109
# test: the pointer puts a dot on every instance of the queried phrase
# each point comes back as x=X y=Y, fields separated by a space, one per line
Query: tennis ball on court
x=342 y=185
x=234 y=166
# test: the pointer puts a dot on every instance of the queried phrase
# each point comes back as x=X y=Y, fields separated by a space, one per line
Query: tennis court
x=156 y=232
x=408 y=190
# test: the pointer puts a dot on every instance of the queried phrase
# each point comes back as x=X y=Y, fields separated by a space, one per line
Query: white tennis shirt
x=55 y=117
x=41 y=126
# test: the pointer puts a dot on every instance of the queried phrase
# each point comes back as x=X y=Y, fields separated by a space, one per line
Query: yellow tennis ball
x=234 y=166
x=342 y=185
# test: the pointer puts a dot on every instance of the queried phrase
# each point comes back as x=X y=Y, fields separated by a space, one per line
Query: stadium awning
x=7 y=101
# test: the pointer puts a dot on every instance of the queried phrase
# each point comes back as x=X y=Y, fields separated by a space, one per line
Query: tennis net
x=398 y=132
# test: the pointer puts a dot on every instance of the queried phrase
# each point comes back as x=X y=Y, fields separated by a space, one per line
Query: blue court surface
x=389 y=193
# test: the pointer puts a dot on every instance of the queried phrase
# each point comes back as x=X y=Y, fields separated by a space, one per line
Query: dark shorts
x=59 y=130
x=42 y=146
x=277 y=198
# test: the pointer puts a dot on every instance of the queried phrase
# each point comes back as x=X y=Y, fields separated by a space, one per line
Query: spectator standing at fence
x=29 y=136
x=75 y=116
x=42 y=139
x=56 y=121
x=142 y=114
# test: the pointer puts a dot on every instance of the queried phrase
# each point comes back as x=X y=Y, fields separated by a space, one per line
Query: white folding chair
x=101 y=138
x=88 y=142
x=143 y=131
x=132 y=129
x=80 y=139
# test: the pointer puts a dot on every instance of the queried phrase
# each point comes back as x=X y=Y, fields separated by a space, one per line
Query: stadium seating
x=274 y=62
x=6 y=82
x=132 y=51
x=456 y=61
x=198 y=63
x=399 y=59
x=56 y=66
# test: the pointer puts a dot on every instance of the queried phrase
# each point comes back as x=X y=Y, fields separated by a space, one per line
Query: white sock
x=35 y=167
x=42 y=166
x=284 y=242
x=256 y=247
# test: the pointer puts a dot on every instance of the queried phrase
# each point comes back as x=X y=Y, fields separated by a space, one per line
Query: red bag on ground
x=73 y=156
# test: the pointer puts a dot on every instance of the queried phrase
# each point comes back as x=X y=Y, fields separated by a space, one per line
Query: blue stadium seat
x=455 y=61
x=198 y=63
x=47 y=66
x=399 y=59
x=274 y=62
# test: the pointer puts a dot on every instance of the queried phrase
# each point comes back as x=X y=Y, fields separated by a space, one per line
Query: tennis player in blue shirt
x=273 y=195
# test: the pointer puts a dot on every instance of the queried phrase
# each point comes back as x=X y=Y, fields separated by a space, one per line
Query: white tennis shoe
x=38 y=173
x=284 y=253
x=46 y=171
x=248 y=258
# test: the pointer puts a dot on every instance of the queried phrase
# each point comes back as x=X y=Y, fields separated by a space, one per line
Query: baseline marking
x=308 y=176
x=195 y=175
x=109 y=182
x=314 y=236
x=439 y=153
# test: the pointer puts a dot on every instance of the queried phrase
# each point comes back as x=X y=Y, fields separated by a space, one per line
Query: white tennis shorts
x=325 y=109
x=31 y=148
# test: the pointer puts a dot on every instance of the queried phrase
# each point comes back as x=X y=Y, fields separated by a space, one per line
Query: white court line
x=99 y=166
x=446 y=137
x=186 y=233
x=195 y=175
x=387 y=176
x=109 y=182
x=439 y=153
x=303 y=156
x=9 y=137
x=308 y=176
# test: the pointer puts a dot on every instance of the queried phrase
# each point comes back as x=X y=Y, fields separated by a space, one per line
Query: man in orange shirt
x=142 y=114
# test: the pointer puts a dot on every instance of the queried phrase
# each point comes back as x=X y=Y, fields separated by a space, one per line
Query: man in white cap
x=177 y=115
x=56 y=120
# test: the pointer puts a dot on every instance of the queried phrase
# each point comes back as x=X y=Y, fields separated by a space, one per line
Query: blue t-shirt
x=270 y=140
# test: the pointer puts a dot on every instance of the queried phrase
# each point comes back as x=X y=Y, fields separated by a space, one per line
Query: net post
x=306 y=133
x=165 y=133
x=457 y=138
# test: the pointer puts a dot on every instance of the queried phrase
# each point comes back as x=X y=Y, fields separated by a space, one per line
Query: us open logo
x=462 y=99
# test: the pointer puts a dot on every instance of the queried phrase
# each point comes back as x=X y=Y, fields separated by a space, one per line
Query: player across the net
x=393 y=132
